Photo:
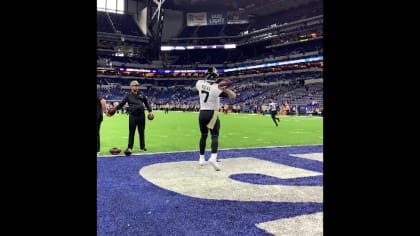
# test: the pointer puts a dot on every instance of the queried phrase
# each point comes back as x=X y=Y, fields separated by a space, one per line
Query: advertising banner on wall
x=216 y=18
x=237 y=17
x=196 y=18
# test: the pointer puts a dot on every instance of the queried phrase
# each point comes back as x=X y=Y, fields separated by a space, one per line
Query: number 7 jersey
x=209 y=95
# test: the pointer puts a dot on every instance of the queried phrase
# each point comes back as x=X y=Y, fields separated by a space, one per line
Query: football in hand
x=115 y=151
x=225 y=83
x=150 y=116
x=111 y=111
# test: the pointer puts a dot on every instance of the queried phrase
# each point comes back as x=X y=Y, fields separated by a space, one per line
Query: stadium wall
x=133 y=7
x=138 y=10
x=173 y=24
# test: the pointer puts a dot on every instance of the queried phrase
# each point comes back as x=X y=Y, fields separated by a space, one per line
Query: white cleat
x=202 y=161
x=213 y=163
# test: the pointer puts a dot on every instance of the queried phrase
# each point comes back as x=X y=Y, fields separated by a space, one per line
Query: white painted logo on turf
x=319 y=156
x=303 y=225
x=188 y=178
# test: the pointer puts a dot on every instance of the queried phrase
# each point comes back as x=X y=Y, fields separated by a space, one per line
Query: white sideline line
x=144 y=153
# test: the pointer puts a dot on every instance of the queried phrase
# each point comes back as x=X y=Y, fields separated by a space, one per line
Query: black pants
x=203 y=119
x=273 y=116
x=98 y=139
x=136 y=120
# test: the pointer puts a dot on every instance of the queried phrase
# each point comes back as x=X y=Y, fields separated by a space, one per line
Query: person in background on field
x=100 y=109
x=273 y=110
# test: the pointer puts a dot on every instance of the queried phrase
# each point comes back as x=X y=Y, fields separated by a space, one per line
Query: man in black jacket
x=137 y=102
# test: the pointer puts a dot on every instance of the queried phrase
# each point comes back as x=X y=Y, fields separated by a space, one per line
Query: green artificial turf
x=179 y=131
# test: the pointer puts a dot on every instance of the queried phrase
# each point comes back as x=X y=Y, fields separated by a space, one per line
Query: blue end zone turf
x=130 y=204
